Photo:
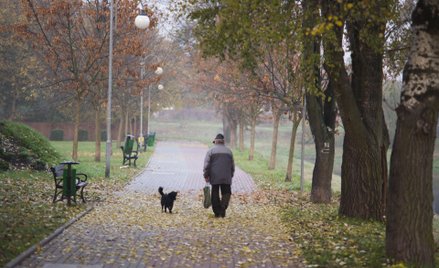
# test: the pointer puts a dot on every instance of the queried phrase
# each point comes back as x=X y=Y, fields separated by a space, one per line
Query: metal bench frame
x=80 y=183
x=130 y=154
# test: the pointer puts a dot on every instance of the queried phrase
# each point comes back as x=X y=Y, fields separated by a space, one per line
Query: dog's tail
x=161 y=190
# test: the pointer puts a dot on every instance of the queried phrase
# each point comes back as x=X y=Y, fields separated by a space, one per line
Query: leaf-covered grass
x=27 y=214
x=327 y=240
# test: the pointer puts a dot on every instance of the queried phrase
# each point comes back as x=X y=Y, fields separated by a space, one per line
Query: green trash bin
x=69 y=189
x=129 y=144
x=151 y=139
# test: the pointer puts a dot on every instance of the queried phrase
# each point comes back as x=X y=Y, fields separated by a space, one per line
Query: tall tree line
x=357 y=89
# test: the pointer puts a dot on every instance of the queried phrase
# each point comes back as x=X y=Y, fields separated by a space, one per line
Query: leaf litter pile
x=130 y=229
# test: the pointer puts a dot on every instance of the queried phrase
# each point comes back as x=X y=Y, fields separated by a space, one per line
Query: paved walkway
x=130 y=230
x=179 y=167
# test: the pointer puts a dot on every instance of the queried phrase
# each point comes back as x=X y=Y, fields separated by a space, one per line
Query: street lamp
x=142 y=22
x=110 y=84
x=158 y=71
x=141 y=139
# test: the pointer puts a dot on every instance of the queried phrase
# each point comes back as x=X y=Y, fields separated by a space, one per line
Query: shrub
x=22 y=143
x=57 y=135
x=83 y=135
x=4 y=165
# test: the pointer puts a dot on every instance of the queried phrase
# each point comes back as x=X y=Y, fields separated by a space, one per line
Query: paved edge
x=17 y=260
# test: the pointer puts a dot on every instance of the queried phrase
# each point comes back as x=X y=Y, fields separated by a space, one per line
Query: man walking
x=219 y=169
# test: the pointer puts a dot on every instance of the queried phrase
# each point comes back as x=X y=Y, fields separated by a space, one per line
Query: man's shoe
x=223 y=214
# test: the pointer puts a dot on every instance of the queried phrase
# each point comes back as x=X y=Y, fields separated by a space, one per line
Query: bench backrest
x=57 y=171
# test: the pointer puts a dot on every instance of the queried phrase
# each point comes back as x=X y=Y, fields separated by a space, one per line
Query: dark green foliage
x=83 y=135
x=57 y=135
x=23 y=147
x=4 y=165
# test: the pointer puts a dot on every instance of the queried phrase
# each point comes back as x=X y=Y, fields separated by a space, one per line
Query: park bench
x=128 y=151
x=59 y=175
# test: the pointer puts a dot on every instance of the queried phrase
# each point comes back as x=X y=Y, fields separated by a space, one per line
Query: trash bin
x=129 y=144
x=151 y=139
x=69 y=188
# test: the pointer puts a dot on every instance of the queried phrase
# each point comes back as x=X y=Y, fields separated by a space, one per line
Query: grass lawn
x=27 y=213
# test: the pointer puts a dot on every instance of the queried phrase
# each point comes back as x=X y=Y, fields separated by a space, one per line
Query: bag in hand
x=207 y=202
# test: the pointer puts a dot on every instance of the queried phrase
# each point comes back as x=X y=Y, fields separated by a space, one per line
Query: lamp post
x=141 y=110
x=110 y=85
x=142 y=22
x=158 y=71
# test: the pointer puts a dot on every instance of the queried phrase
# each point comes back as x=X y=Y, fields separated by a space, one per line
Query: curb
x=46 y=240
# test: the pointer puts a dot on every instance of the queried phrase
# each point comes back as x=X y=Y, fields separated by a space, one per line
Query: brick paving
x=179 y=166
x=130 y=230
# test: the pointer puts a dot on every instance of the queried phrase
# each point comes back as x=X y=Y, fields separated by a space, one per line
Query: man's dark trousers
x=219 y=206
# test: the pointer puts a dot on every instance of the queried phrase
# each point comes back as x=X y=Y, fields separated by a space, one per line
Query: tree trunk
x=276 y=120
x=321 y=111
x=121 y=126
x=322 y=174
x=230 y=126
x=252 y=138
x=289 y=175
x=134 y=126
x=119 y=132
x=409 y=236
x=233 y=135
x=13 y=114
x=361 y=111
x=127 y=122
x=98 y=135
x=76 y=128
x=241 y=134
x=226 y=128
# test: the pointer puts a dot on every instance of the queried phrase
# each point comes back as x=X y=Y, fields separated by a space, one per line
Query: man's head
x=219 y=139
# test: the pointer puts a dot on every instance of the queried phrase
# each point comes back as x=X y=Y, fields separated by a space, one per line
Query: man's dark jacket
x=219 y=165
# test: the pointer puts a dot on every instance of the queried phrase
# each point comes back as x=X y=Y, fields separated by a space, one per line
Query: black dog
x=167 y=200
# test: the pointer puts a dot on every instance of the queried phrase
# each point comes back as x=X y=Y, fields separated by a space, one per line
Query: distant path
x=178 y=166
